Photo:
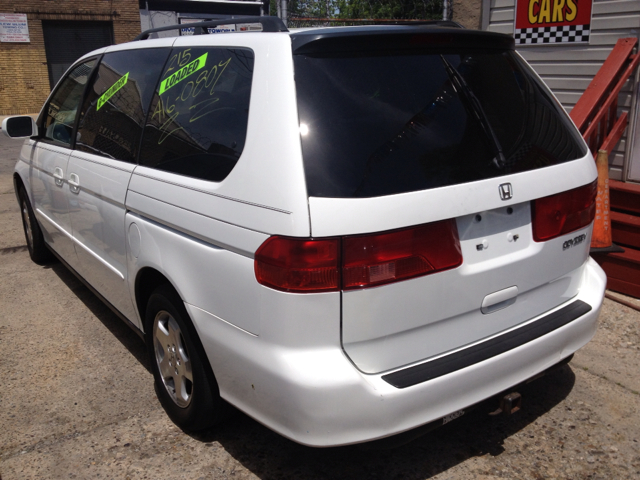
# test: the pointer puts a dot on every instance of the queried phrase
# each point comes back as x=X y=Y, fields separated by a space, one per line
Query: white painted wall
x=153 y=19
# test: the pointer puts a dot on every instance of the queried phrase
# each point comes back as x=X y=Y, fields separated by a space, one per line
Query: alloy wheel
x=172 y=359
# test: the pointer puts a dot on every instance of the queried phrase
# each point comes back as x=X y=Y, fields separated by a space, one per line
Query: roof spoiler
x=406 y=38
x=269 y=24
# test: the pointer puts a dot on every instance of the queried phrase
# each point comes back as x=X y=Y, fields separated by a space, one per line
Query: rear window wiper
x=473 y=106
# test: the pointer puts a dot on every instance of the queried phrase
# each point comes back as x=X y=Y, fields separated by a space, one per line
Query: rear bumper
x=488 y=349
x=317 y=397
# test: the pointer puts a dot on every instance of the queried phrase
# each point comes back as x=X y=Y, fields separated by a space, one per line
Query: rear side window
x=395 y=122
x=115 y=108
x=198 y=117
x=60 y=113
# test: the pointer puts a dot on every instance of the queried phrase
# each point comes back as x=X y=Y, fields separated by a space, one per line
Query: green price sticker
x=112 y=90
x=183 y=73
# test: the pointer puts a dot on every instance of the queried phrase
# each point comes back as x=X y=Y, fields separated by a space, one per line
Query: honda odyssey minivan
x=345 y=233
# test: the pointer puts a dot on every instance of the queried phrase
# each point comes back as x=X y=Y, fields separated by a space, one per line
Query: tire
x=184 y=381
x=38 y=250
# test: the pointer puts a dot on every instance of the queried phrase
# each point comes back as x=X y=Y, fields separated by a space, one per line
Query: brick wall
x=24 y=78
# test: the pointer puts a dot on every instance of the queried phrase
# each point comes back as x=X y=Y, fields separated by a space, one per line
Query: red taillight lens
x=299 y=265
x=370 y=260
x=563 y=213
x=306 y=266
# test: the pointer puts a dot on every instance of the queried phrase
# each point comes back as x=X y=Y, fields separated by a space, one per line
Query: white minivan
x=345 y=233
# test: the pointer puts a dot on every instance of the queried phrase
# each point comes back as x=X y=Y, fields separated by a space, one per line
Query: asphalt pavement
x=77 y=401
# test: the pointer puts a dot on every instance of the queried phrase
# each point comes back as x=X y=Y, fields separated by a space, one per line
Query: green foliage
x=396 y=9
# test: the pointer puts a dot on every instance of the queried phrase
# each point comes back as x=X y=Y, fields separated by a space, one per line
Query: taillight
x=563 y=213
x=369 y=260
x=299 y=265
x=306 y=265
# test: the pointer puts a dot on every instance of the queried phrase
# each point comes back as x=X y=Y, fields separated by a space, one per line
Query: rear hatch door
x=407 y=127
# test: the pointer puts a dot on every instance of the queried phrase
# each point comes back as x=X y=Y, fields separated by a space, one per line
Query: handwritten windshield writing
x=197 y=97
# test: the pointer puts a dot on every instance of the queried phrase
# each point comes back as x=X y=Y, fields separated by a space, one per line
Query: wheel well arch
x=147 y=281
x=17 y=184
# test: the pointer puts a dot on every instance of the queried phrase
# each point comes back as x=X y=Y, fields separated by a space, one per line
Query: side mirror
x=19 y=127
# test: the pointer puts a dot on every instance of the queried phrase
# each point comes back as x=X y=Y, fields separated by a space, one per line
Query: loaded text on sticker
x=104 y=98
x=183 y=73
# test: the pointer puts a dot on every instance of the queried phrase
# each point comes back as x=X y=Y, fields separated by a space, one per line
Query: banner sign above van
x=548 y=22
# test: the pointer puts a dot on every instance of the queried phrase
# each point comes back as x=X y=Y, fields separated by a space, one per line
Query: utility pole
x=283 y=11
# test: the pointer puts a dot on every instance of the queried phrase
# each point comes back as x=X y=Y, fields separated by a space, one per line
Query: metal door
x=66 y=41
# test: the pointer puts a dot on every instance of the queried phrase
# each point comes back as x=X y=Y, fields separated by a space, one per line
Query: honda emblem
x=506 y=191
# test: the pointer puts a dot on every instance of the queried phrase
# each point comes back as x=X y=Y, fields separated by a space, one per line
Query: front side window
x=115 y=107
x=60 y=112
x=197 y=121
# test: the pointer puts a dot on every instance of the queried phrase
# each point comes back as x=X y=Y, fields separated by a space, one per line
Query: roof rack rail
x=269 y=24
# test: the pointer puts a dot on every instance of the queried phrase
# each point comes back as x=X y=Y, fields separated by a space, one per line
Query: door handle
x=58 y=176
x=499 y=300
x=74 y=183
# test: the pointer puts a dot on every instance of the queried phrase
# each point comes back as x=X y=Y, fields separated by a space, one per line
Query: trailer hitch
x=509 y=404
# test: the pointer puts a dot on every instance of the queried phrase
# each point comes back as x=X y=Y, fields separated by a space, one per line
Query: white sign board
x=240 y=27
x=14 y=27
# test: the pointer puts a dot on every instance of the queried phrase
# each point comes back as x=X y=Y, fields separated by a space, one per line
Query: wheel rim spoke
x=174 y=331
x=161 y=331
x=165 y=368
x=172 y=358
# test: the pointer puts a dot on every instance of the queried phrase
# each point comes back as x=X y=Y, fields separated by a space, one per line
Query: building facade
x=58 y=33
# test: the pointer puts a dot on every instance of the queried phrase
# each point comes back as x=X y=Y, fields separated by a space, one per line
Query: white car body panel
x=49 y=196
x=211 y=278
x=24 y=166
x=97 y=218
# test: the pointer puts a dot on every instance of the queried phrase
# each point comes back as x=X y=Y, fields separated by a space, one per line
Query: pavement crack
x=47 y=441
x=10 y=250
x=604 y=377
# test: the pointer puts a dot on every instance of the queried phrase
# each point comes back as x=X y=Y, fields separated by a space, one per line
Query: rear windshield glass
x=392 y=123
